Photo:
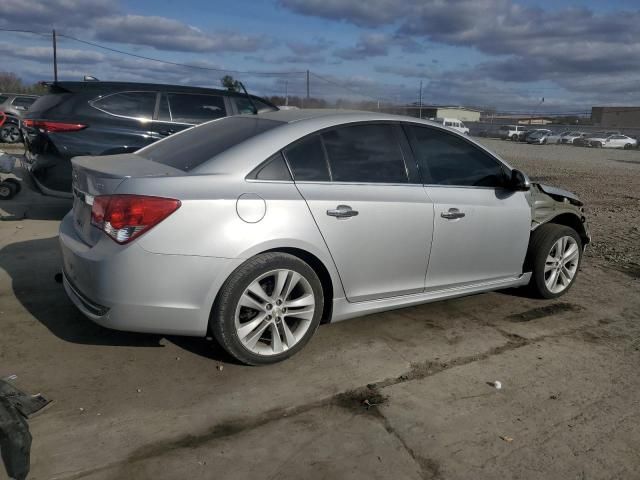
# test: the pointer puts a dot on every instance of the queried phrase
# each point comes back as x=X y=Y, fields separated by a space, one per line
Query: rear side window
x=195 y=108
x=274 y=168
x=194 y=146
x=365 y=154
x=446 y=159
x=307 y=160
x=128 y=104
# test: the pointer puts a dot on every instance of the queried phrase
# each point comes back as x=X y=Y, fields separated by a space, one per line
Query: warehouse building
x=440 y=111
x=615 y=117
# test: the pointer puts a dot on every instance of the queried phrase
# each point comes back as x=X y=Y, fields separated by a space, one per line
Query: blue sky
x=505 y=54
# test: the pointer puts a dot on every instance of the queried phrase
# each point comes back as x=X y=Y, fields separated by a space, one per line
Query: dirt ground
x=400 y=395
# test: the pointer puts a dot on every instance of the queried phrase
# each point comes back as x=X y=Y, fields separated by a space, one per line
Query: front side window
x=446 y=159
x=195 y=108
x=365 y=154
x=128 y=104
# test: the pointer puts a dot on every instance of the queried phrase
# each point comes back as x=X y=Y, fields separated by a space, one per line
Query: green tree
x=230 y=83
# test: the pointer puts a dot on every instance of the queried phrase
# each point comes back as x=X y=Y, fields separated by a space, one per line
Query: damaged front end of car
x=555 y=205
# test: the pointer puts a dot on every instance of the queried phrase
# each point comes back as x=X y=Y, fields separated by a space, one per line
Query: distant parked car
x=13 y=105
x=538 y=136
x=585 y=141
x=572 y=136
x=556 y=137
x=106 y=118
x=454 y=123
x=16 y=103
x=514 y=133
x=613 y=141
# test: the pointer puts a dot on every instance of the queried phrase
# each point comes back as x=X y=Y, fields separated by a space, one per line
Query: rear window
x=194 y=146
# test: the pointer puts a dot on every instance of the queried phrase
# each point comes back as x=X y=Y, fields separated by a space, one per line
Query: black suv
x=105 y=118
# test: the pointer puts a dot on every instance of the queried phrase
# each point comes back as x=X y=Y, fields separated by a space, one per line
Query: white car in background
x=614 y=141
x=453 y=123
x=514 y=133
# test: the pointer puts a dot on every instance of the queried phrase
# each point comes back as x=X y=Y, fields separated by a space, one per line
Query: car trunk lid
x=102 y=175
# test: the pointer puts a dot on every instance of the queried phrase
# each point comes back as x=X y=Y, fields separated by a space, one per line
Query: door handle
x=166 y=133
x=452 y=214
x=342 y=211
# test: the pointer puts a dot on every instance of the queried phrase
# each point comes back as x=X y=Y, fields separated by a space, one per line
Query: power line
x=346 y=87
x=97 y=45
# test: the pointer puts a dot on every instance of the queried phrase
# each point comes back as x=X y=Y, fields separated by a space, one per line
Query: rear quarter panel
x=208 y=224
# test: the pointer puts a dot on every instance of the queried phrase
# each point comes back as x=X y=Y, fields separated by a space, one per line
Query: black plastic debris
x=15 y=438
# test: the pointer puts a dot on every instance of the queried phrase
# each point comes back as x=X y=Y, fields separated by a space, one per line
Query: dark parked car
x=105 y=118
x=14 y=106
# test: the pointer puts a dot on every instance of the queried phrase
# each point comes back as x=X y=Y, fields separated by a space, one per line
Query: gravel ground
x=608 y=181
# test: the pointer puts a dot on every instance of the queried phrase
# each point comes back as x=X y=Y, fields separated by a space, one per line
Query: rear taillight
x=125 y=217
x=53 y=126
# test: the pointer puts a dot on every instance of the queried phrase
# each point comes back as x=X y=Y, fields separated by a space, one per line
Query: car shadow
x=30 y=203
x=32 y=266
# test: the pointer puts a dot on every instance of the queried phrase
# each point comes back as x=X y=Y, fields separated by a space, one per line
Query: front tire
x=554 y=257
x=268 y=309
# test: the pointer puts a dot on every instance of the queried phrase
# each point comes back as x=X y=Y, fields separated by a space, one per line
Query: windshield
x=196 y=145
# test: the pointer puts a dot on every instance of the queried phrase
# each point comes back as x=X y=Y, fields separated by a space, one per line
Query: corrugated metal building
x=619 y=117
x=440 y=111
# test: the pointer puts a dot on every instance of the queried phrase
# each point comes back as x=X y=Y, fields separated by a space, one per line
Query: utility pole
x=286 y=92
x=55 y=57
x=420 y=101
x=307 y=84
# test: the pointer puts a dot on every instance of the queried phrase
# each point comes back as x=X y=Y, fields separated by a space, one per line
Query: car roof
x=92 y=86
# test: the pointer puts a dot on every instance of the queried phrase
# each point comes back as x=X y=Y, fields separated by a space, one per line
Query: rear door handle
x=166 y=133
x=342 y=211
x=452 y=214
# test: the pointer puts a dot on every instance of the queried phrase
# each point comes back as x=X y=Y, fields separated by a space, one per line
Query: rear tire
x=554 y=257
x=15 y=183
x=7 y=190
x=10 y=134
x=514 y=138
x=268 y=309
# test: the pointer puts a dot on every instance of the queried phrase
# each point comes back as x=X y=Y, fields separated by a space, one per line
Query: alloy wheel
x=274 y=312
x=561 y=264
x=10 y=134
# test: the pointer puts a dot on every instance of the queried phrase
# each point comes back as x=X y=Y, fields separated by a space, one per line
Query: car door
x=124 y=124
x=369 y=205
x=481 y=227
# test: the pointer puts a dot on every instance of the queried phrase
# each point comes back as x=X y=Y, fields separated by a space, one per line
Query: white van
x=452 y=123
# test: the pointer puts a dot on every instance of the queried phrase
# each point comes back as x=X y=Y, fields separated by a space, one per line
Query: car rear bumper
x=129 y=288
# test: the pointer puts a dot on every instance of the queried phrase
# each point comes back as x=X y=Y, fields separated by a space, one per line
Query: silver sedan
x=255 y=229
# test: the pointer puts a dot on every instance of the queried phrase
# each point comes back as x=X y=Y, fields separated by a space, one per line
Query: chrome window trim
x=140 y=119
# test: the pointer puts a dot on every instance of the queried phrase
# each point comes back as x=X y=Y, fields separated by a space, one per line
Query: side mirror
x=519 y=181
